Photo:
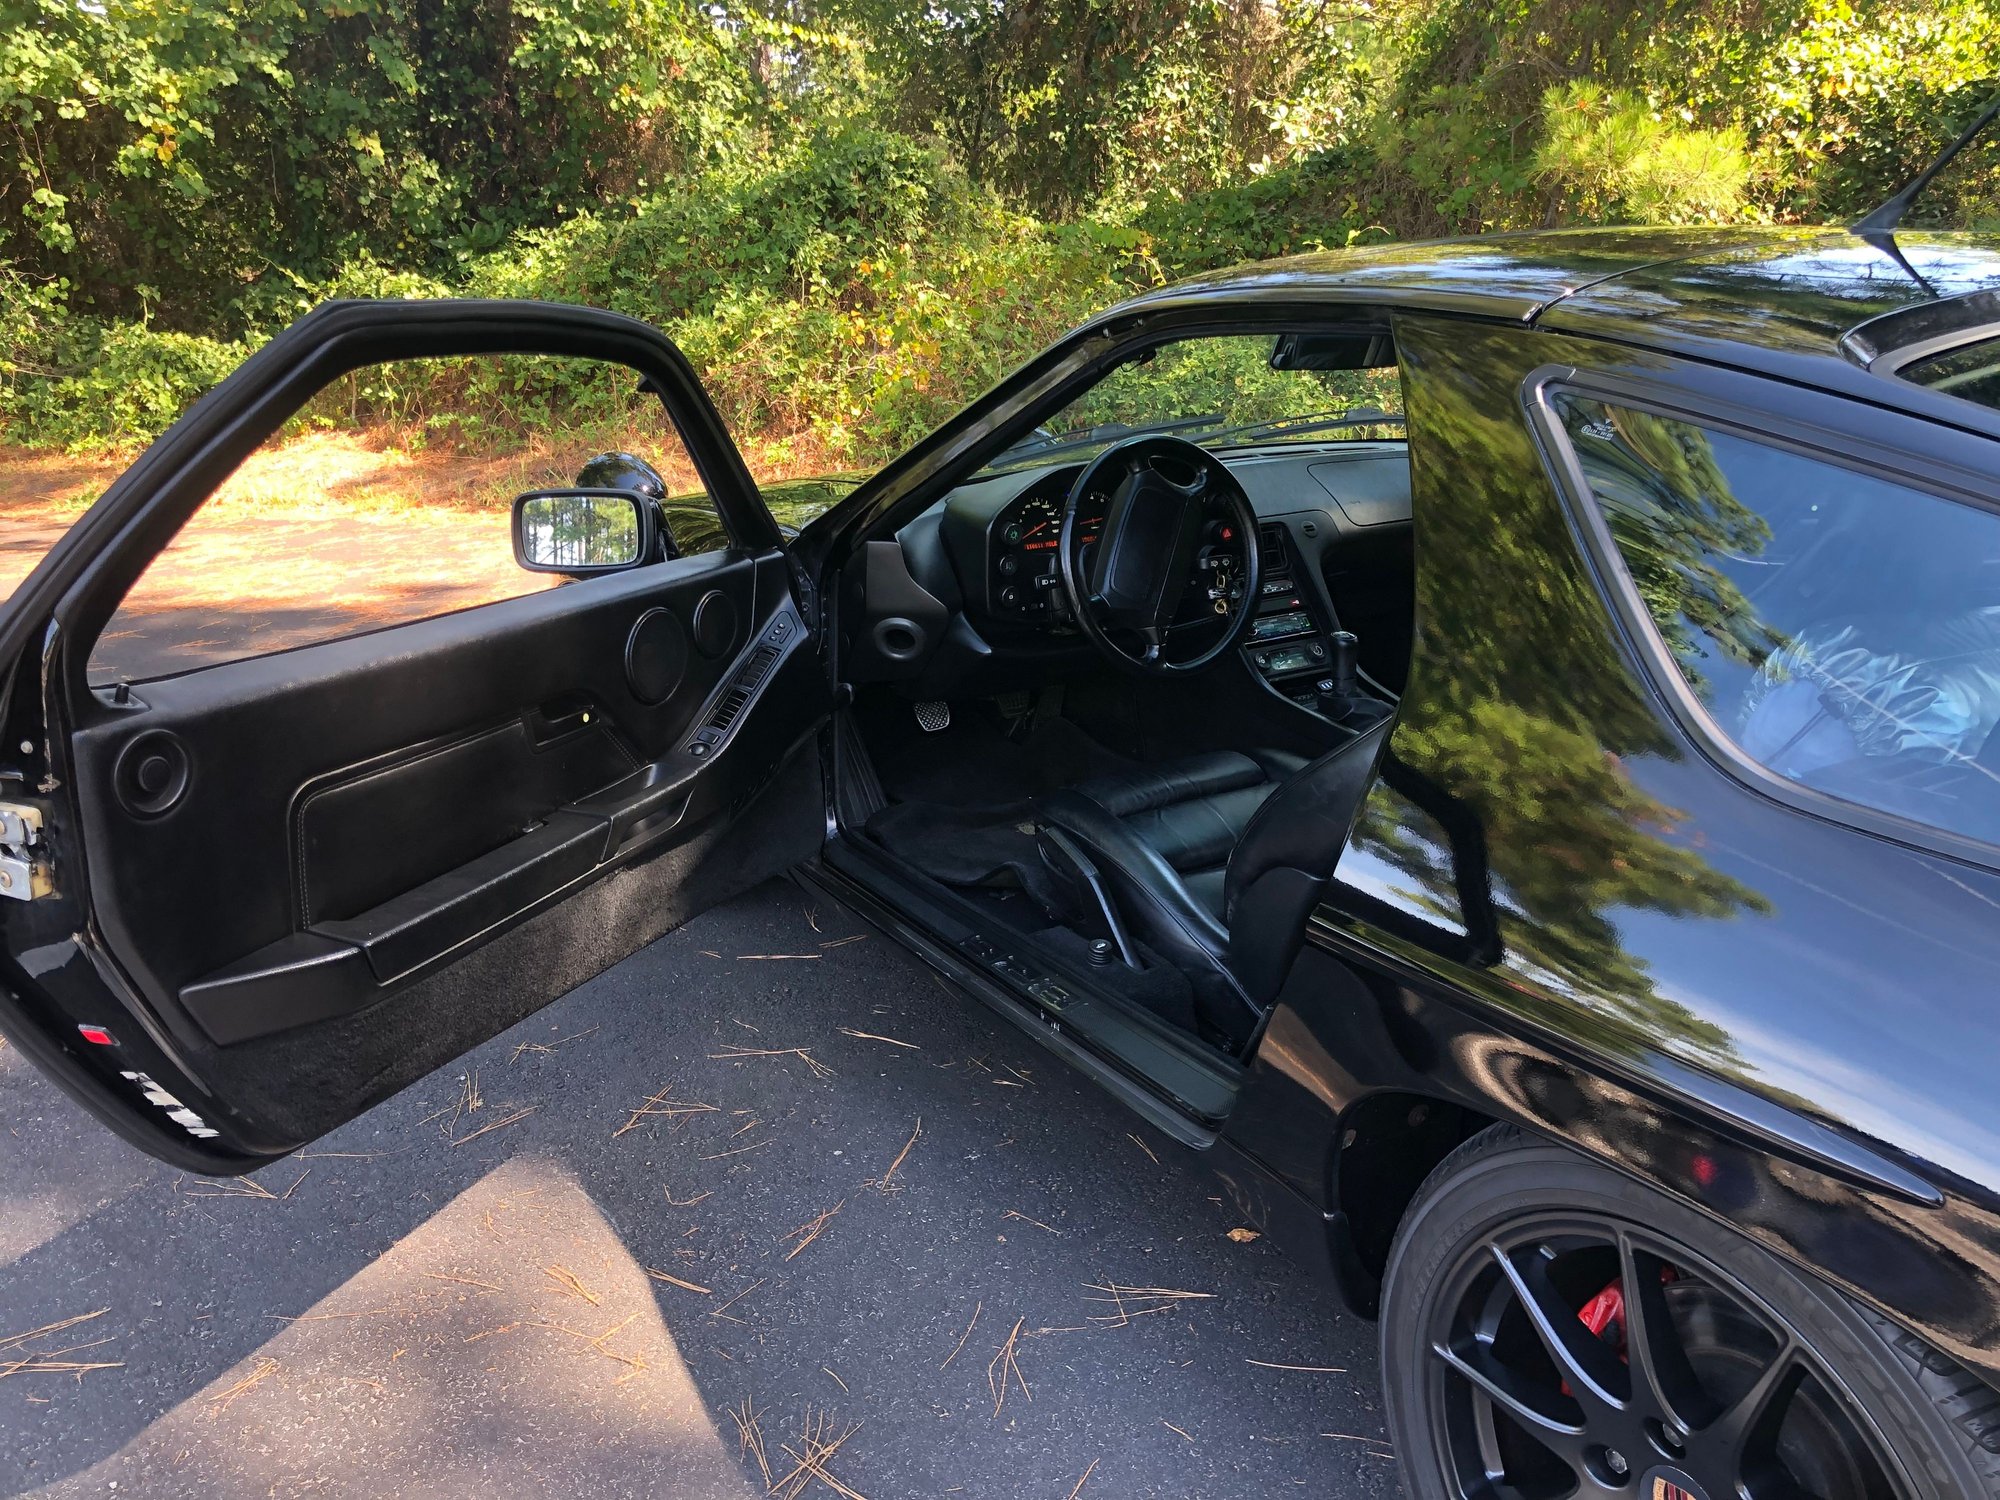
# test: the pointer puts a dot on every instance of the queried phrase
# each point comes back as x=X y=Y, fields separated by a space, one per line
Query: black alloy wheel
x=1552 y=1328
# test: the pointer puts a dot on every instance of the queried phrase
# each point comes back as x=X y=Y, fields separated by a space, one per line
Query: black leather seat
x=1216 y=861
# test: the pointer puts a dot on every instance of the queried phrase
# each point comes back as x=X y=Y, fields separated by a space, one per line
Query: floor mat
x=969 y=846
x=988 y=854
x=975 y=764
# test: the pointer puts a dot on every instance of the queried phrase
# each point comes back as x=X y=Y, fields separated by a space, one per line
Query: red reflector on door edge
x=98 y=1035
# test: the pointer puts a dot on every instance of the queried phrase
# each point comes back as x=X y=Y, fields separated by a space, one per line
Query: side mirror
x=580 y=532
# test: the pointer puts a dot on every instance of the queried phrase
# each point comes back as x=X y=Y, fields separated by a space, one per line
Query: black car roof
x=1790 y=293
x=1776 y=301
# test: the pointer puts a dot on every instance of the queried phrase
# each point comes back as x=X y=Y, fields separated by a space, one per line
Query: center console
x=1293 y=645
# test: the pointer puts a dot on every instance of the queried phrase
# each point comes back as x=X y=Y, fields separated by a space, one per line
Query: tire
x=1862 y=1406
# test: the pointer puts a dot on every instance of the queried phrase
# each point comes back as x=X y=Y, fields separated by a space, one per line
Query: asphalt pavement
x=767 y=1207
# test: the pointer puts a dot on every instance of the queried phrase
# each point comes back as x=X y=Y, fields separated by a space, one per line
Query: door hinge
x=24 y=875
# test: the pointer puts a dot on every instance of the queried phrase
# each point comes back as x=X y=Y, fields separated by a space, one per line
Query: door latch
x=24 y=875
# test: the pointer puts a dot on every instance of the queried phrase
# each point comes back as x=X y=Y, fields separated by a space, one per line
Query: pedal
x=933 y=714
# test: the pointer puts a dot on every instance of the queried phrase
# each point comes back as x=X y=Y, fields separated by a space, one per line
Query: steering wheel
x=1176 y=522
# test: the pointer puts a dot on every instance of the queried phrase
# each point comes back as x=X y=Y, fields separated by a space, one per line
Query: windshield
x=1231 y=391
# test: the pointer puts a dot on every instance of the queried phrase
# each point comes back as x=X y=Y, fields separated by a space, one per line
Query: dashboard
x=987 y=554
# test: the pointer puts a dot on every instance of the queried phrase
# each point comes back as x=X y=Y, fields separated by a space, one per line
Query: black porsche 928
x=1496 y=744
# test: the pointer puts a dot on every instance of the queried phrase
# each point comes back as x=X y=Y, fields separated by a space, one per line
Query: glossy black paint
x=1557 y=909
x=1781 y=303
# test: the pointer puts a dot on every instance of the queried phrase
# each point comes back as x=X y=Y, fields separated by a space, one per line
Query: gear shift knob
x=1346 y=658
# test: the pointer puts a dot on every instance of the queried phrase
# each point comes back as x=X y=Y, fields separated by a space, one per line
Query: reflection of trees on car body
x=1529 y=725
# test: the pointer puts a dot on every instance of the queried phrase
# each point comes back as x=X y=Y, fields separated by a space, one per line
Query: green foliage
x=854 y=214
x=83 y=381
x=1830 y=104
x=1063 y=105
x=1613 y=160
x=801 y=224
x=224 y=148
x=1843 y=102
x=1325 y=201
x=1228 y=379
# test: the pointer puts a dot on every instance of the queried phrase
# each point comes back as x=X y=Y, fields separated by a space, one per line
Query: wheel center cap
x=1665 y=1482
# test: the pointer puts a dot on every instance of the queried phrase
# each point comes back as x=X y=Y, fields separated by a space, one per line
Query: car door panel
x=355 y=812
x=354 y=1058
x=350 y=845
x=306 y=878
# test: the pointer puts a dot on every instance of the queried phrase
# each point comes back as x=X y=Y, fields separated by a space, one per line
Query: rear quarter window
x=1970 y=372
x=1839 y=628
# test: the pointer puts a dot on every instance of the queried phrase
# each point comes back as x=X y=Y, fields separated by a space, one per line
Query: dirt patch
x=327 y=536
x=53 y=482
x=322 y=536
x=253 y=583
x=41 y=494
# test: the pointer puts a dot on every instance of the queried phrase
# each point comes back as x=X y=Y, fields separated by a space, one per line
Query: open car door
x=251 y=899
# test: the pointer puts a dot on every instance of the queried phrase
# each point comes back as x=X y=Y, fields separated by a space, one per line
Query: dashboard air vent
x=1272 y=548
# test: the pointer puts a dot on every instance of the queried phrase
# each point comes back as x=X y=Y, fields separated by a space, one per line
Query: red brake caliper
x=1604 y=1314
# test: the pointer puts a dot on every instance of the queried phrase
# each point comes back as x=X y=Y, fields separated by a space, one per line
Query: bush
x=839 y=300
x=79 y=382
x=811 y=200
x=1324 y=201
x=798 y=224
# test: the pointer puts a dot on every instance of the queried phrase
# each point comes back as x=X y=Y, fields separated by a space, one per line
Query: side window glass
x=1970 y=372
x=387 y=500
x=1843 y=630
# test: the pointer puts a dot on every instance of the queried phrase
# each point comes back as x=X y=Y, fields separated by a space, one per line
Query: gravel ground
x=703 y=1217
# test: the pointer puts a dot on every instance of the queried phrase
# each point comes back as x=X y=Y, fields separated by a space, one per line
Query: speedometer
x=1036 y=525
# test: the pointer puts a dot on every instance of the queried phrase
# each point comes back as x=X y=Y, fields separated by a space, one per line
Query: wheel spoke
x=1744 y=1436
x=1591 y=1368
x=1508 y=1390
x=1662 y=1378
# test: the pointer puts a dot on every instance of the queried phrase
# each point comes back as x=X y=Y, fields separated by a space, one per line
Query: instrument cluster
x=1026 y=541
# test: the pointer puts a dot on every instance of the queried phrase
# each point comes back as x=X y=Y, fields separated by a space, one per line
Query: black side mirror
x=579 y=532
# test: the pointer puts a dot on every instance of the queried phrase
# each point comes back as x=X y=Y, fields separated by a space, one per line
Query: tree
x=196 y=159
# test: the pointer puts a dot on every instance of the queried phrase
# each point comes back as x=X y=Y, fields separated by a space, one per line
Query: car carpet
x=975 y=764
x=964 y=810
x=991 y=853
x=1158 y=987
x=965 y=817
x=969 y=846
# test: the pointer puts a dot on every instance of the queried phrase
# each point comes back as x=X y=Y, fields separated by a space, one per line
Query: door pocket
x=363 y=836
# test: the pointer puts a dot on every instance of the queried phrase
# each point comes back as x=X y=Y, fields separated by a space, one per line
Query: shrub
x=1610 y=159
x=1324 y=201
x=82 y=382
